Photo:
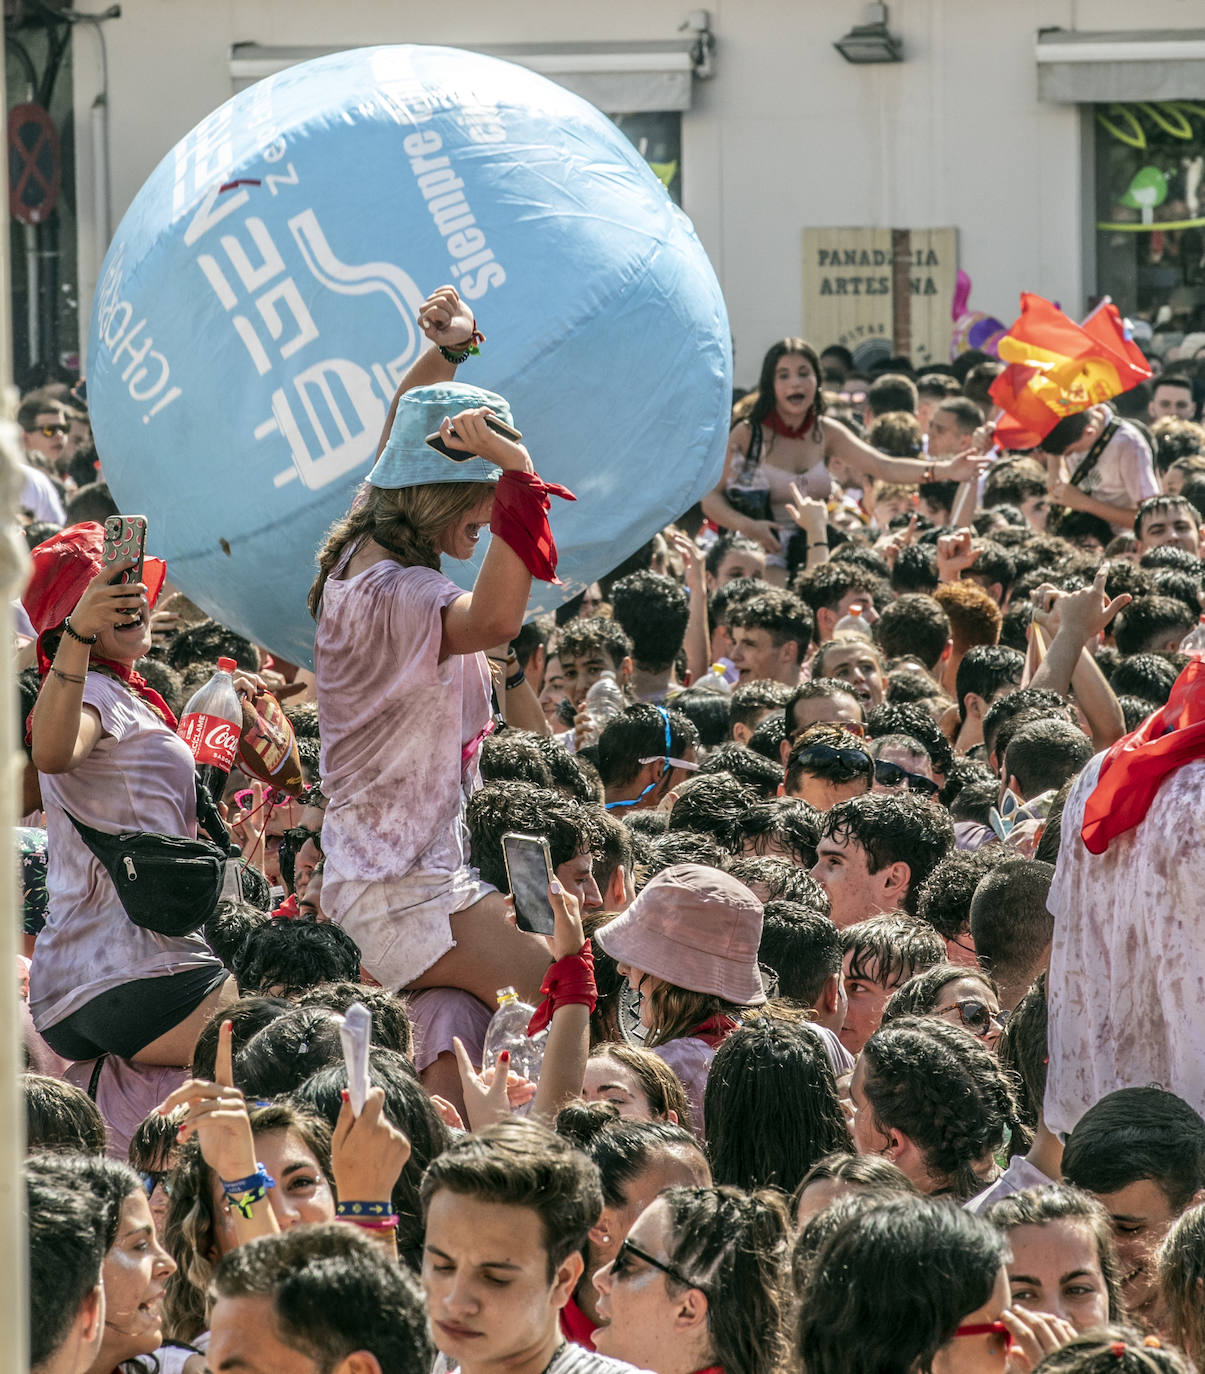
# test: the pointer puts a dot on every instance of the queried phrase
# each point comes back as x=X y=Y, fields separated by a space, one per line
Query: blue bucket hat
x=409 y=461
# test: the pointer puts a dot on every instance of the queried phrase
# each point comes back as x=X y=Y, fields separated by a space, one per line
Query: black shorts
x=126 y=1019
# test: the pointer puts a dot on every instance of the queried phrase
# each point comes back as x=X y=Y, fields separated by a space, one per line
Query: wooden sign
x=880 y=292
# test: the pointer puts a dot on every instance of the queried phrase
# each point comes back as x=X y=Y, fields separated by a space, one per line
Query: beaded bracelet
x=79 y=638
x=471 y=345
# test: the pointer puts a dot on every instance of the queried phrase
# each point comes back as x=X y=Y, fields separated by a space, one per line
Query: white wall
x=787 y=134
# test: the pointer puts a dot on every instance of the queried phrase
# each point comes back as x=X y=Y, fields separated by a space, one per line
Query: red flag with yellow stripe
x=1055 y=367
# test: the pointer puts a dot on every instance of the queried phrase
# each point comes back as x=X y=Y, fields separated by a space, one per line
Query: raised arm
x=840 y=443
x=492 y=613
x=445 y=320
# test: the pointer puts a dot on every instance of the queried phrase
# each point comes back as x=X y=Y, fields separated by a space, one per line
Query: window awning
x=620 y=78
x=1140 y=64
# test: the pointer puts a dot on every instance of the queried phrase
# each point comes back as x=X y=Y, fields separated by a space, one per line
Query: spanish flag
x=1055 y=367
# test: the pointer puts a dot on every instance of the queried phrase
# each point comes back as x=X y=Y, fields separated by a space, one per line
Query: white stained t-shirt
x=394 y=721
x=1124 y=474
x=1126 y=988
x=140 y=776
x=40 y=497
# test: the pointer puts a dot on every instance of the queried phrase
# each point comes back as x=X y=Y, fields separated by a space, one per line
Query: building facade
x=825 y=192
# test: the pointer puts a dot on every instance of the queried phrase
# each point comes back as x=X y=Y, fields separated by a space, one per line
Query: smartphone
x=125 y=538
x=529 y=872
x=356 y=1035
x=436 y=440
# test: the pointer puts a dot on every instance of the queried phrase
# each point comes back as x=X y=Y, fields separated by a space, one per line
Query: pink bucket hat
x=696 y=928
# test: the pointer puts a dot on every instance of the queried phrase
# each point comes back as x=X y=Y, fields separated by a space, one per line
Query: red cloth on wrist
x=520 y=519
x=568 y=982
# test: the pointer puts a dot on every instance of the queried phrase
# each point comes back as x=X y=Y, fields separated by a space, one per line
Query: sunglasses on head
x=852 y=760
x=670 y=762
x=988 y=1329
x=621 y=1265
x=976 y=1016
x=892 y=775
x=853 y=726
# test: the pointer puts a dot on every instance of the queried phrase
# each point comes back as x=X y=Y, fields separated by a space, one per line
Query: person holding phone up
x=106 y=749
x=403 y=682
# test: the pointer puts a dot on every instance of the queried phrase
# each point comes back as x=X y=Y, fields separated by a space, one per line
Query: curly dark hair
x=598 y=632
x=771 y=1106
x=946 y=1092
x=653 y=609
x=921 y=994
x=753 y=770
x=893 y=827
x=711 y=805
x=499 y=807
x=944 y=899
x=1114 y=1350
x=913 y=624
x=785 y=823
x=907 y=718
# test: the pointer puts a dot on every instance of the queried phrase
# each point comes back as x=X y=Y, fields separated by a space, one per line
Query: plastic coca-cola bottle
x=211 y=725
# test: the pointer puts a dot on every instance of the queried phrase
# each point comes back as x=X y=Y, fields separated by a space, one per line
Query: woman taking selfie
x=107 y=753
x=403 y=679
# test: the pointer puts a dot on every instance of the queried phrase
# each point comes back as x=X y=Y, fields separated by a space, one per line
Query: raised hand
x=445 y=319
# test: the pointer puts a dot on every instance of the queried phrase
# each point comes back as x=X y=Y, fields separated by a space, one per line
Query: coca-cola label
x=211 y=739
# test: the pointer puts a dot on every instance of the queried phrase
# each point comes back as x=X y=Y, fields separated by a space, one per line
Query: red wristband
x=568 y=982
x=520 y=519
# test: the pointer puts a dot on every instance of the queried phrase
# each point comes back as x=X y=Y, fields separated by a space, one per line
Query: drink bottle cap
x=227 y=665
x=507 y=995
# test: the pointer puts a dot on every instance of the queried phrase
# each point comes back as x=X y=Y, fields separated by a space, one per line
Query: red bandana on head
x=63 y=565
x=1136 y=766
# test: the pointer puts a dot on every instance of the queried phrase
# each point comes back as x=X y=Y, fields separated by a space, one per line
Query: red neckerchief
x=715 y=1030
x=576 y=1326
x=134 y=681
x=289 y=907
x=1136 y=766
x=778 y=425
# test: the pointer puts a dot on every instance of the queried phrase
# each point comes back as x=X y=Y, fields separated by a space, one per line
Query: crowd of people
x=863 y=1001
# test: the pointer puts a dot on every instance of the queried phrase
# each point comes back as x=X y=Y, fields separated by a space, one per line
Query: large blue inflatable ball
x=257 y=308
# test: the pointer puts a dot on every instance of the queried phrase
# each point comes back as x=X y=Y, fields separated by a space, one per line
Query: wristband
x=818 y=544
x=568 y=982
x=517 y=681
x=388 y=1223
x=350 y=1211
x=244 y=1204
x=260 y=1179
x=459 y=353
x=79 y=639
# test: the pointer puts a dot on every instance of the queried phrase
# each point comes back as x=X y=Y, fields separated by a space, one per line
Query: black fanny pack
x=168 y=885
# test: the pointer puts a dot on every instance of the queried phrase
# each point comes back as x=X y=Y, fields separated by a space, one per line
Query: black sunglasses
x=854 y=761
x=891 y=775
x=976 y=1016
x=621 y=1265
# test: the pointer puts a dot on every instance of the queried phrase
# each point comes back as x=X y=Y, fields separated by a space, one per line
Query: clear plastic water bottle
x=854 y=623
x=212 y=725
x=1194 y=641
x=507 y=1030
x=604 y=699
